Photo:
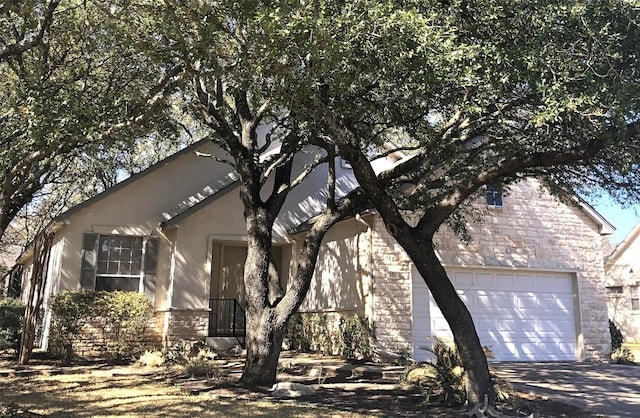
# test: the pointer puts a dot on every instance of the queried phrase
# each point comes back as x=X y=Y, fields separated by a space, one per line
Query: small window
x=635 y=300
x=119 y=263
x=494 y=196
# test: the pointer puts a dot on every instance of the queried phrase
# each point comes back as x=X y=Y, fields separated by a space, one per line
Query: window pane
x=120 y=255
x=635 y=304
x=494 y=195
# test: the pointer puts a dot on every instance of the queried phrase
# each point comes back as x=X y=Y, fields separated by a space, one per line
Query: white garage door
x=521 y=316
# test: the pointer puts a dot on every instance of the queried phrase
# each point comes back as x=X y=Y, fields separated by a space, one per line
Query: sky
x=623 y=218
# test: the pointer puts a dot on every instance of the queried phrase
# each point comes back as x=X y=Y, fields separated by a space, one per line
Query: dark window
x=635 y=301
x=494 y=195
x=119 y=263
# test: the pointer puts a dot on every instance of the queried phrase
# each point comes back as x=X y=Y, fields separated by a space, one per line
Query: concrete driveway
x=612 y=390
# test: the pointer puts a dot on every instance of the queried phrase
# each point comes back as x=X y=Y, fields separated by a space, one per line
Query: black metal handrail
x=227 y=319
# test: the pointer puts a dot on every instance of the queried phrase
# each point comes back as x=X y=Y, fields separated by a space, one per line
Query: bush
x=11 y=318
x=129 y=313
x=122 y=317
x=443 y=378
x=616 y=336
x=151 y=359
x=196 y=358
x=622 y=355
x=358 y=338
x=352 y=337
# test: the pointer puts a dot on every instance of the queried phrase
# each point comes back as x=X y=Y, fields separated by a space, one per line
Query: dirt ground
x=97 y=388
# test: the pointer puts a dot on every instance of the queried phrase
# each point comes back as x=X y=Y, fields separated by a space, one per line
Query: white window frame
x=140 y=276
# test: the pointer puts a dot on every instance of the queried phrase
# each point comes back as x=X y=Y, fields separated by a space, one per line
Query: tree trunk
x=474 y=361
x=264 y=342
x=264 y=337
x=42 y=249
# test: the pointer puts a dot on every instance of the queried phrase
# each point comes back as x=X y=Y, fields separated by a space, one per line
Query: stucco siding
x=340 y=281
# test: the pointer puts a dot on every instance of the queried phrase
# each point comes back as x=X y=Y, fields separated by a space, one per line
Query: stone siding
x=98 y=338
x=186 y=325
x=532 y=231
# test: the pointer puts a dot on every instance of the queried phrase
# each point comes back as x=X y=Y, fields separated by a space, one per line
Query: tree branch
x=28 y=42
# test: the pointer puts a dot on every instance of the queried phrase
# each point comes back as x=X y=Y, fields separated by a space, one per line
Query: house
x=623 y=280
x=532 y=275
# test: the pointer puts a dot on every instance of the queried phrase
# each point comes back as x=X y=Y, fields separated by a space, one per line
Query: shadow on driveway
x=609 y=389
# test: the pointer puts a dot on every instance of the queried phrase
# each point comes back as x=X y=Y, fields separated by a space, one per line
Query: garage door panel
x=520 y=316
x=463 y=280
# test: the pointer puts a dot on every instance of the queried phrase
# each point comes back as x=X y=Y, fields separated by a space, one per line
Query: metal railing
x=227 y=319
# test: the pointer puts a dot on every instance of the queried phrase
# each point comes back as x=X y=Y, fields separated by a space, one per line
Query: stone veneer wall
x=98 y=338
x=532 y=231
x=186 y=325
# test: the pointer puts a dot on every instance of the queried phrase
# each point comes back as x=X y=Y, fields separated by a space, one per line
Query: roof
x=606 y=228
x=208 y=195
x=624 y=245
x=135 y=177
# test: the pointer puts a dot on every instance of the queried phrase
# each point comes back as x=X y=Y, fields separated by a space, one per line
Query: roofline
x=135 y=177
x=624 y=245
x=174 y=221
x=606 y=227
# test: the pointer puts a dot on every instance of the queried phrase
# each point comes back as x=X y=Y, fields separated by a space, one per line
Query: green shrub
x=358 y=338
x=122 y=318
x=352 y=337
x=296 y=333
x=616 y=336
x=11 y=318
x=129 y=314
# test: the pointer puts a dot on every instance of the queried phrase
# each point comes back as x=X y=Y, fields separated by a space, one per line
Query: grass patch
x=100 y=393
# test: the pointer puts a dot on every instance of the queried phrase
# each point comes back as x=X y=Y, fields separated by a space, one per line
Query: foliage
x=124 y=315
x=622 y=355
x=442 y=379
x=475 y=93
x=184 y=350
x=314 y=332
x=351 y=337
x=11 y=317
x=60 y=98
x=152 y=358
x=358 y=338
x=616 y=336
x=196 y=358
x=128 y=314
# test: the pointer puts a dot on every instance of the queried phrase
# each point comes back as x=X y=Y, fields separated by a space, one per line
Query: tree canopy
x=71 y=81
x=471 y=92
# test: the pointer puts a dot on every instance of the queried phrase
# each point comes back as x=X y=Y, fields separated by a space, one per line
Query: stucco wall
x=533 y=231
x=340 y=281
x=137 y=209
